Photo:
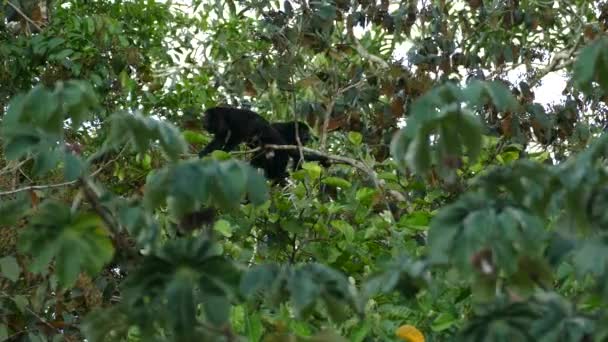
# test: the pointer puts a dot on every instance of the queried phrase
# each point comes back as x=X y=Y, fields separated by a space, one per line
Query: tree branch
x=28 y=19
x=564 y=55
x=59 y=185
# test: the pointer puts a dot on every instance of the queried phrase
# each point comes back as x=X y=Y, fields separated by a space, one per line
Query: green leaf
x=345 y=228
x=258 y=278
x=337 y=182
x=77 y=241
x=223 y=227
x=46 y=161
x=585 y=67
x=21 y=302
x=355 y=138
x=13 y=209
x=443 y=322
x=313 y=169
x=304 y=291
x=10 y=268
x=192 y=137
x=74 y=167
x=470 y=133
x=19 y=146
x=254 y=328
x=418 y=156
x=257 y=189
x=3 y=332
x=217 y=309
x=61 y=55
x=171 y=140
x=181 y=303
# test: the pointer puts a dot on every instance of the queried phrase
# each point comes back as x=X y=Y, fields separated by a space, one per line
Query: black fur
x=233 y=126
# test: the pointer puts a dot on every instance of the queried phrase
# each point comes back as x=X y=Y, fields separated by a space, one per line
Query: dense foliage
x=457 y=206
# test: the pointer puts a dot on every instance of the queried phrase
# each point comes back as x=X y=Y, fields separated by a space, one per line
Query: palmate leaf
x=78 y=242
x=188 y=184
x=183 y=274
x=12 y=210
x=142 y=132
x=475 y=222
x=303 y=286
x=440 y=127
x=592 y=65
x=545 y=317
x=401 y=274
x=478 y=93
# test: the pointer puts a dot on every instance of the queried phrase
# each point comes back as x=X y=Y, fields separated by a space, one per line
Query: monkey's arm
x=215 y=144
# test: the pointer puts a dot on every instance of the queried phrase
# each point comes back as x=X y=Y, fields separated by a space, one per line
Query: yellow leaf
x=409 y=333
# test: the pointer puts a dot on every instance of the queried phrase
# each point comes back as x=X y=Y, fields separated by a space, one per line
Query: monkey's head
x=288 y=131
x=304 y=133
x=213 y=120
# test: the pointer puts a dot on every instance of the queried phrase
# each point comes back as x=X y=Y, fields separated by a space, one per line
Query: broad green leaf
x=19 y=146
x=223 y=227
x=192 y=137
x=257 y=190
x=304 y=291
x=78 y=242
x=337 y=182
x=344 y=228
x=12 y=210
x=444 y=321
x=10 y=268
x=3 y=332
x=61 y=55
x=74 y=167
x=258 y=278
x=313 y=169
x=217 y=309
x=470 y=133
x=585 y=67
x=180 y=300
x=45 y=161
x=355 y=138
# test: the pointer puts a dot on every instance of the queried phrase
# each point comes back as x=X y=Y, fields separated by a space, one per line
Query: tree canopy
x=456 y=207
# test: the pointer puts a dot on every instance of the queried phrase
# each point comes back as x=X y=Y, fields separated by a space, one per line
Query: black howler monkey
x=233 y=126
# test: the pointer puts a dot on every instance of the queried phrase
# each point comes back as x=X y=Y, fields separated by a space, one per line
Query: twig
x=42 y=320
x=330 y=109
x=37 y=187
x=555 y=63
x=58 y=185
x=24 y=16
x=365 y=54
x=10 y=167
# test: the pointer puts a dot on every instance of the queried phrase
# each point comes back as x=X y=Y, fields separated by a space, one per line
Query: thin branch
x=352 y=162
x=24 y=16
x=10 y=167
x=59 y=185
x=37 y=187
x=42 y=320
x=365 y=54
x=564 y=55
x=330 y=109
